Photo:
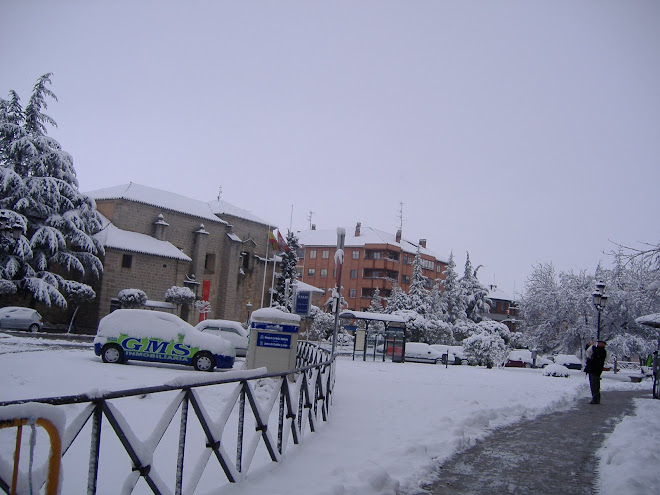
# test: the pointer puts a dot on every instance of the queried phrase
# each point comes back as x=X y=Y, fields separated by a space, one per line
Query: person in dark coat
x=596 y=356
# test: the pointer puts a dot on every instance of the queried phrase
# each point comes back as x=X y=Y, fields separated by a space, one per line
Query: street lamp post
x=249 y=307
x=600 y=301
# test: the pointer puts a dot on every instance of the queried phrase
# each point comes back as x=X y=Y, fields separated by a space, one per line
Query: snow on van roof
x=113 y=237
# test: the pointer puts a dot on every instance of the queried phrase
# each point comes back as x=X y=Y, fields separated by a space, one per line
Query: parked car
x=20 y=318
x=522 y=358
x=568 y=360
x=455 y=353
x=418 y=352
x=233 y=331
x=146 y=335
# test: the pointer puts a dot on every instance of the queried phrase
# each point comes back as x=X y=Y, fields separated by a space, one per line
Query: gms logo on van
x=154 y=348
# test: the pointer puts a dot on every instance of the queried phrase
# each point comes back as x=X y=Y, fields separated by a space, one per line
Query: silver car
x=233 y=331
x=20 y=318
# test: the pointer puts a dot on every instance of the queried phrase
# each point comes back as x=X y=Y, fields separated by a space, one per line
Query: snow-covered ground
x=390 y=424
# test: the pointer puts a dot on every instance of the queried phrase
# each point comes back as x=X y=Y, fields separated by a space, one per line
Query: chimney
x=160 y=228
x=422 y=242
x=357 y=229
x=398 y=235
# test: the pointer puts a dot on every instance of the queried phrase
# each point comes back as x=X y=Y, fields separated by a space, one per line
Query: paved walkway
x=552 y=454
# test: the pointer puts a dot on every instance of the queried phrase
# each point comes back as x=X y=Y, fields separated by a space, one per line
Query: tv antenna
x=309 y=218
x=219 y=192
x=400 y=216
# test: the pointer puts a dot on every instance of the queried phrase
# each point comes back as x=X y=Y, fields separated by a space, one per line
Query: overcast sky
x=522 y=132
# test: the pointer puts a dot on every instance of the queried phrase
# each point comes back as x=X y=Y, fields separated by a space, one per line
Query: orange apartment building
x=373 y=259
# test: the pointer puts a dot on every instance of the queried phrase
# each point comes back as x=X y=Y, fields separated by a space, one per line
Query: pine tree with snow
x=287 y=272
x=476 y=295
x=51 y=222
x=398 y=300
x=453 y=299
x=419 y=299
x=376 y=305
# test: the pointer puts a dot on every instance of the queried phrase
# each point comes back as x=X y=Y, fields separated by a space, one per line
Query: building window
x=209 y=262
x=311 y=272
x=301 y=254
x=324 y=273
x=245 y=259
x=325 y=254
x=355 y=254
x=312 y=254
x=405 y=279
x=353 y=273
x=407 y=260
x=352 y=293
x=126 y=260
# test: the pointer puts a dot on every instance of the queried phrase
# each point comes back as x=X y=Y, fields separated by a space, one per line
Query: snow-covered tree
x=476 y=295
x=485 y=349
x=132 y=298
x=453 y=298
x=78 y=294
x=376 y=305
x=397 y=301
x=323 y=324
x=179 y=295
x=40 y=202
x=287 y=272
x=419 y=297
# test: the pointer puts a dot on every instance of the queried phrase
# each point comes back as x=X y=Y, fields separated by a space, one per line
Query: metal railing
x=219 y=427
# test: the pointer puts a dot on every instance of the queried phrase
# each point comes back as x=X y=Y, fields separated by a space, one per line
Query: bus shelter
x=389 y=342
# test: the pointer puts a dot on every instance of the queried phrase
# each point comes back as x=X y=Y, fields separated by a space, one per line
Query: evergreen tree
x=287 y=272
x=376 y=305
x=476 y=295
x=418 y=296
x=39 y=199
x=453 y=298
x=397 y=301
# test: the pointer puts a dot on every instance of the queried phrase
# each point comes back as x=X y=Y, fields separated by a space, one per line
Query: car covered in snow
x=522 y=358
x=147 y=335
x=569 y=361
x=233 y=331
x=418 y=352
x=20 y=318
x=455 y=353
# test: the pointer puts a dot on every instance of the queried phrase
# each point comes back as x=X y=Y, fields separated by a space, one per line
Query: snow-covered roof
x=368 y=235
x=157 y=197
x=302 y=286
x=113 y=237
x=364 y=315
x=220 y=207
x=495 y=293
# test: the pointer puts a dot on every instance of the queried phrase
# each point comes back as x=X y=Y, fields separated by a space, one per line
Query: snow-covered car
x=569 y=361
x=418 y=352
x=146 y=335
x=233 y=331
x=20 y=318
x=522 y=358
x=455 y=353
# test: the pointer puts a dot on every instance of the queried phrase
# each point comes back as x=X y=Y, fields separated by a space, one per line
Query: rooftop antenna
x=219 y=192
x=401 y=216
x=309 y=218
x=291 y=220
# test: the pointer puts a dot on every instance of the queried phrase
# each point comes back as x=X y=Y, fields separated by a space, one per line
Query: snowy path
x=552 y=454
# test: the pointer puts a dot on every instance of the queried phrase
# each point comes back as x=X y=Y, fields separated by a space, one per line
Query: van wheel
x=203 y=361
x=112 y=353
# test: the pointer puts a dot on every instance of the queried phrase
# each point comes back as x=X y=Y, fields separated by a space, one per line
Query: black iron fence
x=230 y=425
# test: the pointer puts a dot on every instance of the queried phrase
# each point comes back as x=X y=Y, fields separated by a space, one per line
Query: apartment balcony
x=381 y=264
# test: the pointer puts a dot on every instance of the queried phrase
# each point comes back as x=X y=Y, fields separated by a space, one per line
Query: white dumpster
x=273 y=340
